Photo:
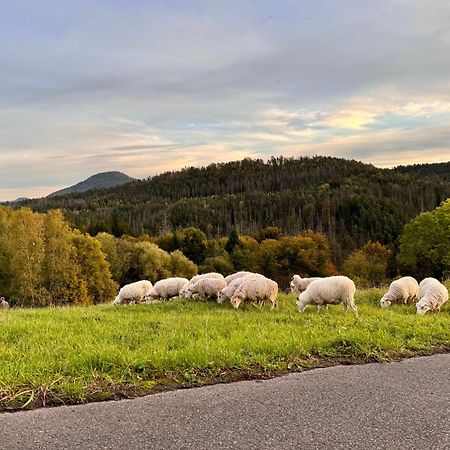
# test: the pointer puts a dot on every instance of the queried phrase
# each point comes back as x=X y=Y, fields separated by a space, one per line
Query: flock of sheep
x=256 y=289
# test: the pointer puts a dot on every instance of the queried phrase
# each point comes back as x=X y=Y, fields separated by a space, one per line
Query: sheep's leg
x=257 y=305
x=355 y=310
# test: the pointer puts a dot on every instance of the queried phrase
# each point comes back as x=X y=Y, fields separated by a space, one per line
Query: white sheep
x=235 y=276
x=133 y=292
x=3 y=303
x=206 y=275
x=227 y=292
x=165 y=289
x=299 y=284
x=255 y=289
x=329 y=291
x=205 y=288
x=432 y=295
x=184 y=293
x=401 y=290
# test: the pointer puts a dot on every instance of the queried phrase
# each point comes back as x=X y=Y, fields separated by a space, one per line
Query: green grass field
x=75 y=355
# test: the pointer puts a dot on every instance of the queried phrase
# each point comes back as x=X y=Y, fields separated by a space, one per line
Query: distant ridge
x=103 y=180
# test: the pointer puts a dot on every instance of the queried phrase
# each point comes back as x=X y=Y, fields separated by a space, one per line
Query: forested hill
x=102 y=180
x=349 y=201
x=436 y=170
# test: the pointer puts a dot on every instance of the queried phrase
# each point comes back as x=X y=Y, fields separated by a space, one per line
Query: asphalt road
x=403 y=405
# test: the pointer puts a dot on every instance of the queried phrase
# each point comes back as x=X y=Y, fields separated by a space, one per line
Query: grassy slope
x=73 y=355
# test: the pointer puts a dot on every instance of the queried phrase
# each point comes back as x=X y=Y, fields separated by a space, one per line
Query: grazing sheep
x=205 y=288
x=236 y=275
x=133 y=292
x=329 y=291
x=184 y=293
x=299 y=284
x=255 y=289
x=206 y=275
x=227 y=292
x=3 y=303
x=432 y=295
x=165 y=289
x=401 y=290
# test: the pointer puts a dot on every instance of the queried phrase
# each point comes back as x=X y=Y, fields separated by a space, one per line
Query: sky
x=143 y=87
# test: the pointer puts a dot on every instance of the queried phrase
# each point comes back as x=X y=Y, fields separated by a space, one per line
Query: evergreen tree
x=233 y=241
x=194 y=244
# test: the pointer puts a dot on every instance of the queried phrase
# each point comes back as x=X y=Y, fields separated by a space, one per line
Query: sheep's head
x=221 y=296
x=293 y=287
x=185 y=292
x=384 y=302
x=301 y=302
x=117 y=300
x=236 y=300
x=422 y=308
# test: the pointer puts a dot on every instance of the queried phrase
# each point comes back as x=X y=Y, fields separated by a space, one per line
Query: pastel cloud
x=145 y=87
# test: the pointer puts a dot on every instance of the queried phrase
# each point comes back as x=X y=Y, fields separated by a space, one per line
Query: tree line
x=46 y=262
x=349 y=202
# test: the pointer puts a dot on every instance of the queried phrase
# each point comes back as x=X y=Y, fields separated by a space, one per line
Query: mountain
x=349 y=201
x=103 y=180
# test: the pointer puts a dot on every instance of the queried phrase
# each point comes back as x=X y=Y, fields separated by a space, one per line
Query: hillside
x=349 y=201
x=102 y=180
x=436 y=170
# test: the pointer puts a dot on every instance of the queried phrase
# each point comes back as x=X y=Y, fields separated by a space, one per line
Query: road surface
x=404 y=405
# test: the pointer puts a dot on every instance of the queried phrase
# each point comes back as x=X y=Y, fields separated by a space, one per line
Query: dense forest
x=437 y=170
x=348 y=201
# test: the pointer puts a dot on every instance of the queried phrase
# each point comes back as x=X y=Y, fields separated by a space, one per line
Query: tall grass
x=72 y=355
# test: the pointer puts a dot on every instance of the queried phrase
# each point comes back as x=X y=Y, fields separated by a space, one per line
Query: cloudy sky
x=148 y=86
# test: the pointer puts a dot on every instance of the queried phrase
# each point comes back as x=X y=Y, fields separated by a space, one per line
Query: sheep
x=299 y=284
x=432 y=295
x=401 y=290
x=3 y=303
x=227 y=292
x=184 y=293
x=236 y=275
x=330 y=290
x=206 y=275
x=205 y=288
x=165 y=289
x=133 y=292
x=255 y=288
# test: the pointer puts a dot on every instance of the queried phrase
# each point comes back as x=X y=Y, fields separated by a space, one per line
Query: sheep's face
x=293 y=287
x=184 y=293
x=221 y=297
x=300 y=303
x=236 y=301
x=422 y=308
x=116 y=301
x=384 y=303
